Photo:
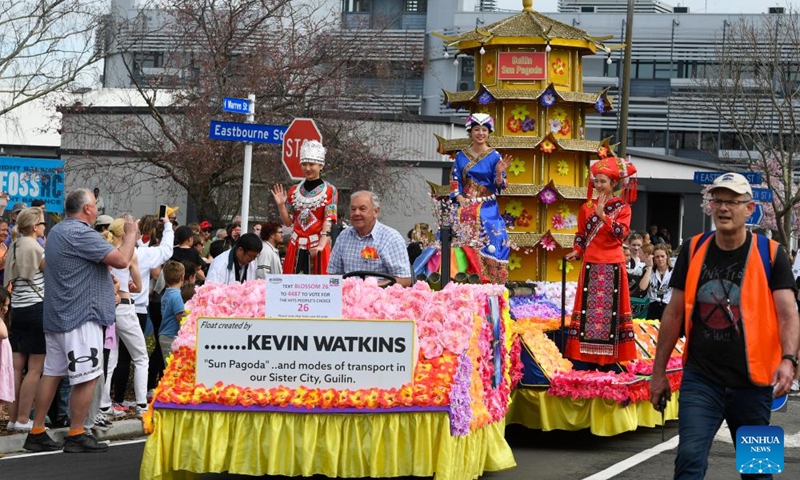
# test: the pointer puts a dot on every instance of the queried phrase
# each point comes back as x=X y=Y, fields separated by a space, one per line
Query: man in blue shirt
x=78 y=304
x=368 y=245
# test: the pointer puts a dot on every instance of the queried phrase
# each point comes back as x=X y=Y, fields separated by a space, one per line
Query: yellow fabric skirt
x=535 y=409
x=187 y=443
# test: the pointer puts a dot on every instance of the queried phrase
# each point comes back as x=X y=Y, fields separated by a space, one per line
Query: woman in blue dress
x=479 y=175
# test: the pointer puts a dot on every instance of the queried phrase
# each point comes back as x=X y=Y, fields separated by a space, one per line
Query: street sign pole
x=248 y=161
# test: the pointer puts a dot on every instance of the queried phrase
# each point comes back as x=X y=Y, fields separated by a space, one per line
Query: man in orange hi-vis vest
x=733 y=295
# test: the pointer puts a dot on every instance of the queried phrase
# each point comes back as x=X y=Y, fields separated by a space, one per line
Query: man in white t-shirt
x=269 y=260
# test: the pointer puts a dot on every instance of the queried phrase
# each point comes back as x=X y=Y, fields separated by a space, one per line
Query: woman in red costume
x=310 y=208
x=601 y=330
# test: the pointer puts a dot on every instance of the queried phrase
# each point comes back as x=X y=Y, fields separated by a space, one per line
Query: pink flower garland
x=593 y=384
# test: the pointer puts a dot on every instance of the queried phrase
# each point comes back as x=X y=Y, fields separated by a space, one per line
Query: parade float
x=552 y=395
x=528 y=77
x=314 y=397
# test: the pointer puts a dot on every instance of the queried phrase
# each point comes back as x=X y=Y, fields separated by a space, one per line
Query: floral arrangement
x=520 y=120
x=559 y=67
x=564 y=219
x=577 y=384
x=543 y=350
x=644 y=366
x=455 y=368
x=534 y=306
x=517 y=166
x=548 y=243
x=548 y=196
x=547 y=146
x=548 y=98
x=489 y=69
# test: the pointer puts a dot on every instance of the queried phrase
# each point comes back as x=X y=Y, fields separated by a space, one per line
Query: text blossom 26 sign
x=339 y=354
x=304 y=296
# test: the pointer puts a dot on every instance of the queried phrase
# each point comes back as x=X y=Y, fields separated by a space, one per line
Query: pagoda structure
x=528 y=77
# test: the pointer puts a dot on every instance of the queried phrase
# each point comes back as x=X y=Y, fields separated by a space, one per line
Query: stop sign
x=299 y=130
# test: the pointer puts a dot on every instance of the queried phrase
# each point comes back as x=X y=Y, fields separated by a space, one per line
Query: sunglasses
x=41 y=223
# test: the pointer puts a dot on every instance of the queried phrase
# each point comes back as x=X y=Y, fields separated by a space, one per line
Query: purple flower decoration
x=548 y=98
x=548 y=196
x=528 y=125
x=600 y=105
x=460 y=410
x=509 y=219
x=485 y=98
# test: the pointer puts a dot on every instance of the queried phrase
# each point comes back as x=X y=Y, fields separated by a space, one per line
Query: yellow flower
x=516 y=167
x=561 y=266
x=514 y=262
x=563 y=210
x=514 y=207
x=563 y=168
x=560 y=114
x=520 y=112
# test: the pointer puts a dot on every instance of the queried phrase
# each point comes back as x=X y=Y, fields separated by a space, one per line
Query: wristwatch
x=791 y=358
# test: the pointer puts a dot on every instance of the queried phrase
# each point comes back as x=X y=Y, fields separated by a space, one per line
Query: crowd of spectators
x=147 y=287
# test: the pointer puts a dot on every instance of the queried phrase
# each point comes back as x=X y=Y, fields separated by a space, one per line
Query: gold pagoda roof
x=524 y=27
x=449 y=146
x=463 y=99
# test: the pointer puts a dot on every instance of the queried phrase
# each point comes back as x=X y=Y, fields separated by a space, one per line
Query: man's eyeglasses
x=729 y=203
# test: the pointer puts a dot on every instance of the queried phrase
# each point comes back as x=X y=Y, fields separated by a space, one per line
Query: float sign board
x=323 y=354
x=304 y=296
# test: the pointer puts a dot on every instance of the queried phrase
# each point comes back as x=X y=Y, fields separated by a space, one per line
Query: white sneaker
x=112 y=412
x=11 y=426
x=795 y=386
x=129 y=404
x=24 y=427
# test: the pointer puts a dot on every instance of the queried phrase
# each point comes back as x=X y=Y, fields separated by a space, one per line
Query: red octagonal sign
x=299 y=130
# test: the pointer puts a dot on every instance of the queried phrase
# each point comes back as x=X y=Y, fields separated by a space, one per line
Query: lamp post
x=626 y=82
x=719 y=117
x=675 y=23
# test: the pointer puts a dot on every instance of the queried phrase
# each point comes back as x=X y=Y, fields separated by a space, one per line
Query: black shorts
x=27 y=333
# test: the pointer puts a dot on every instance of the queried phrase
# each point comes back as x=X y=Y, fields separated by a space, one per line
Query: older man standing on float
x=733 y=293
x=369 y=245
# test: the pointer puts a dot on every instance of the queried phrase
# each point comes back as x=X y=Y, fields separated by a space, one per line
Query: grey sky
x=696 y=6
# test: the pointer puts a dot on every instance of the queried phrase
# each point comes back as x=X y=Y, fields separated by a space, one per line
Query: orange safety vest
x=759 y=318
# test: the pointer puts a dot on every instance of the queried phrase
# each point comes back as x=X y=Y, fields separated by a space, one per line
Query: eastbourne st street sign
x=707 y=178
x=246 y=132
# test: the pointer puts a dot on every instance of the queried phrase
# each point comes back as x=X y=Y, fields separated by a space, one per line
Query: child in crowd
x=172 y=307
x=6 y=359
x=189 y=280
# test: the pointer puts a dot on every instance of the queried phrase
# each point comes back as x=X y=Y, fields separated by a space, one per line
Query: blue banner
x=246 y=132
x=29 y=179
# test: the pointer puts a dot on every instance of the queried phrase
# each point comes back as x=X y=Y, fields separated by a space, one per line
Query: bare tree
x=294 y=57
x=751 y=93
x=45 y=46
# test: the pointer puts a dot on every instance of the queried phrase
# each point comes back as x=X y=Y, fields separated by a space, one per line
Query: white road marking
x=640 y=457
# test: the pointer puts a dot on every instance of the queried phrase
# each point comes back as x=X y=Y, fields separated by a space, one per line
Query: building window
x=149 y=59
x=358 y=6
x=416 y=6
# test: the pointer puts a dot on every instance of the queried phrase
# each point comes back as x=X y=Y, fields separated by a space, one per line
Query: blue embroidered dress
x=475 y=180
